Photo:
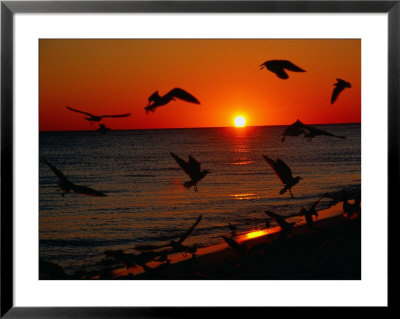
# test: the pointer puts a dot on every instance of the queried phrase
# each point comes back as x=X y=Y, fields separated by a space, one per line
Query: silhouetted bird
x=192 y=169
x=280 y=220
x=239 y=248
x=96 y=118
x=278 y=67
x=267 y=222
x=170 y=96
x=176 y=245
x=284 y=174
x=340 y=85
x=308 y=214
x=67 y=186
x=351 y=211
x=232 y=228
x=103 y=129
x=295 y=129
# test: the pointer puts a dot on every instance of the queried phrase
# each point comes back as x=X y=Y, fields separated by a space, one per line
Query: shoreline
x=326 y=239
x=330 y=250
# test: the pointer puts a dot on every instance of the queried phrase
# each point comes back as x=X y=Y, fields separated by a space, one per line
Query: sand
x=330 y=250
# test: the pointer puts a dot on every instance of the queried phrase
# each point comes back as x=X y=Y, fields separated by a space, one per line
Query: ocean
x=146 y=202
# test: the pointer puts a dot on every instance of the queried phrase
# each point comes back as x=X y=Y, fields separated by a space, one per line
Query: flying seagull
x=67 y=186
x=170 y=96
x=280 y=220
x=308 y=214
x=278 y=67
x=241 y=249
x=192 y=169
x=283 y=172
x=295 y=129
x=340 y=85
x=176 y=245
x=96 y=118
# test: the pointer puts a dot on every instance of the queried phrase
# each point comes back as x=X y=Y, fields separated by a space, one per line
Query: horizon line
x=198 y=127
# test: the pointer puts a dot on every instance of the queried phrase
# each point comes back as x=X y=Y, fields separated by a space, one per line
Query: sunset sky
x=117 y=76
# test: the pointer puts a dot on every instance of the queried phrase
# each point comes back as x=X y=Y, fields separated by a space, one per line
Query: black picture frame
x=9 y=8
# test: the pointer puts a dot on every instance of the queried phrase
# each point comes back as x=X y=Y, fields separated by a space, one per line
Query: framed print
x=164 y=155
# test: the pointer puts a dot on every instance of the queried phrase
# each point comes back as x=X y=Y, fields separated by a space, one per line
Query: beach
x=330 y=250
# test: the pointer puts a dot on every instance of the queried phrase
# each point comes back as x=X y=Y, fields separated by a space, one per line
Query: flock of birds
x=193 y=169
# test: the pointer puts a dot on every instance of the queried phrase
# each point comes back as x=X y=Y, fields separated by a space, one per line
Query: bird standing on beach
x=170 y=96
x=283 y=172
x=96 y=118
x=176 y=245
x=192 y=169
x=280 y=220
x=340 y=85
x=308 y=214
x=67 y=186
x=278 y=67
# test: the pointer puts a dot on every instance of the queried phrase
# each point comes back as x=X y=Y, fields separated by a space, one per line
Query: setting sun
x=240 y=121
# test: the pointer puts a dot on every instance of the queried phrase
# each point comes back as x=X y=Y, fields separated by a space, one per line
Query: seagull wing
x=315 y=131
x=280 y=72
x=183 y=95
x=187 y=167
x=117 y=115
x=290 y=66
x=195 y=164
x=185 y=235
x=273 y=165
x=280 y=220
x=344 y=83
x=234 y=244
x=316 y=203
x=284 y=171
x=86 y=190
x=336 y=91
x=75 y=110
x=58 y=173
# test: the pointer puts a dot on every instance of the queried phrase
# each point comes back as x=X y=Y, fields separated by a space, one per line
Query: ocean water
x=146 y=202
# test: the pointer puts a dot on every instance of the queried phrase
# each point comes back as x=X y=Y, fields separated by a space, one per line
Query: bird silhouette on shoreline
x=176 y=245
x=279 y=66
x=340 y=85
x=192 y=169
x=286 y=227
x=67 y=186
x=283 y=172
x=170 y=96
x=96 y=118
x=308 y=214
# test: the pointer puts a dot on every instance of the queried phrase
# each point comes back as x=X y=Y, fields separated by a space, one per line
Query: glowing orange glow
x=257 y=233
x=117 y=76
x=240 y=121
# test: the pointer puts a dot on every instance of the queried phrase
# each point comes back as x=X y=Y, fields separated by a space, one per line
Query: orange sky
x=118 y=76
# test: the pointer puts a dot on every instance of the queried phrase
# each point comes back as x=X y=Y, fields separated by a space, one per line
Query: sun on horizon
x=240 y=121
